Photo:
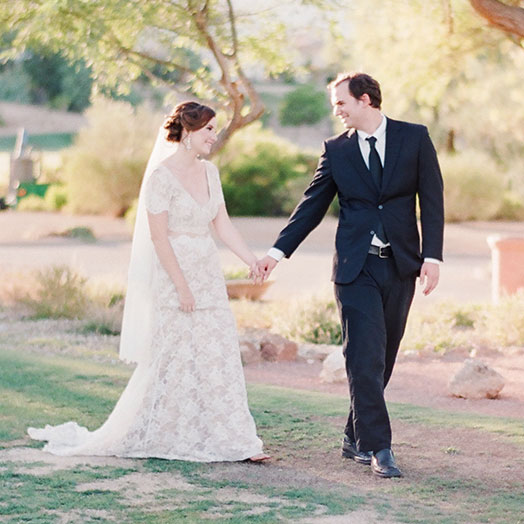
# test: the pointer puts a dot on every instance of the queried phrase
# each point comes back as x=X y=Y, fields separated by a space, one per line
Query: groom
x=377 y=172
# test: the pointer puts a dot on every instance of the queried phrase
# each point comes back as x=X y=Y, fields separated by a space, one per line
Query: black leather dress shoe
x=349 y=450
x=383 y=464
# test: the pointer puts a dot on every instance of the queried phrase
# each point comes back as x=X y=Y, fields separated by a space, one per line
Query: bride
x=186 y=399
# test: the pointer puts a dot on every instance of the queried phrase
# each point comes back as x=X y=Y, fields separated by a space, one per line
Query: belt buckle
x=380 y=252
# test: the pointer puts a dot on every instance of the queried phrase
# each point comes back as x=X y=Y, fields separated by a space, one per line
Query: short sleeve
x=157 y=193
x=218 y=184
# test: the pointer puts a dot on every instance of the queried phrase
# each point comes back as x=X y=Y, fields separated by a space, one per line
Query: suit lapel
x=354 y=155
x=393 y=143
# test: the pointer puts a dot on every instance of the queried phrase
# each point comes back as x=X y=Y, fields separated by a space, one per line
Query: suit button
x=381 y=206
x=371 y=232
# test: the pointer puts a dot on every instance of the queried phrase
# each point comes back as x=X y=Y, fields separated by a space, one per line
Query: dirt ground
x=419 y=380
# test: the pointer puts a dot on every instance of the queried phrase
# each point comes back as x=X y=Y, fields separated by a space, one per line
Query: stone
x=276 y=348
x=249 y=352
x=334 y=368
x=476 y=380
x=253 y=335
x=317 y=352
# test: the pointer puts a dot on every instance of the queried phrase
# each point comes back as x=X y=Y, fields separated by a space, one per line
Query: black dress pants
x=373 y=310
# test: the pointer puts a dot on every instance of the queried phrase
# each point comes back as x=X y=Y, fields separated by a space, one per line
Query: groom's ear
x=365 y=99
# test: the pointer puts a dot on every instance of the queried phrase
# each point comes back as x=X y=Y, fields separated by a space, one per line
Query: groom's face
x=346 y=107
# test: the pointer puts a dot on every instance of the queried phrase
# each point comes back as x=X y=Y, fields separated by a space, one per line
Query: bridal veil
x=135 y=339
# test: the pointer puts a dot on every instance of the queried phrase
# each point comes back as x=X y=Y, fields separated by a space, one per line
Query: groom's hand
x=255 y=273
x=429 y=275
x=266 y=265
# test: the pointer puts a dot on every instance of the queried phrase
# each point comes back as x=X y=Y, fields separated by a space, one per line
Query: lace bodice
x=164 y=192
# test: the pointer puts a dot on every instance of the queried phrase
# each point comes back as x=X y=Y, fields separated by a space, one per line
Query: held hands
x=429 y=275
x=266 y=266
x=260 y=270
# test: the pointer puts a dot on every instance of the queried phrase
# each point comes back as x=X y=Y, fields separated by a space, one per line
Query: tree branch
x=506 y=17
x=234 y=36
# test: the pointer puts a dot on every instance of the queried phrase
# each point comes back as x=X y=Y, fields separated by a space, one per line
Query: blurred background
x=91 y=81
x=84 y=87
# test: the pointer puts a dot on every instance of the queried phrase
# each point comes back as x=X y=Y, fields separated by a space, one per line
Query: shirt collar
x=379 y=132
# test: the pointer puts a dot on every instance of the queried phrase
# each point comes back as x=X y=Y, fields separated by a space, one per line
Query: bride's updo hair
x=190 y=116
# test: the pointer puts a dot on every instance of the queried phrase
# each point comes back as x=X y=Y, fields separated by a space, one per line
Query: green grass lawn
x=300 y=429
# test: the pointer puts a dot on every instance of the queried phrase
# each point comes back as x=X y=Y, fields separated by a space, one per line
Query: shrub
x=32 y=203
x=503 y=323
x=235 y=273
x=55 y=197
x=58 y=292
x=81 y=232
x=104 y=167
x=304 y=105
x=262 y=174
x=130 y=214
x=315 y=320
x=474 y=188
x=104 y=319
x=15 y=84
x=443 y=327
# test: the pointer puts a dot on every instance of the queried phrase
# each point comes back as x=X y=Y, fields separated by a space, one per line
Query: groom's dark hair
x=360 y=84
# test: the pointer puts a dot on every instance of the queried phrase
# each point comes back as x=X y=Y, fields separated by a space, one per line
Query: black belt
x=382 y=252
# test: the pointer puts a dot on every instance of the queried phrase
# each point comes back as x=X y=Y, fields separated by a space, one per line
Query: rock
x=249 y=352
x=277 y=348
x=476 y=380
x=316 y=351
x=253 y=335
x=334 y=368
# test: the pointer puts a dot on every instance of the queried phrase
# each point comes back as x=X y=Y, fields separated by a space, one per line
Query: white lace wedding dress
x=189 y=402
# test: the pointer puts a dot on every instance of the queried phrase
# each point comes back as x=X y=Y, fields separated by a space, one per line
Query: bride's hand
x=186 y=299
x=255 y=273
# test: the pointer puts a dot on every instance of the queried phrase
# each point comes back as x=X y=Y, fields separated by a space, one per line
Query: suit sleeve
x=311 y=208
x=431 y=199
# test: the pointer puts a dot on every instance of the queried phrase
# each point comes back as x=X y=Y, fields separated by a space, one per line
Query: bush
x=57 y=292
x=32 y=203
x=503 y=323
x=55 y=197
x=262 y=174
x=130 y=214
x=15 y=84
x=104 y=168
x=304 y=105
x=475 y=188
x=81 y=233
x=315 y=320
x=236 y=273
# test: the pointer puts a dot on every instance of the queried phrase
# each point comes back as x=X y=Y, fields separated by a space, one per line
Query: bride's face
x=202 y=140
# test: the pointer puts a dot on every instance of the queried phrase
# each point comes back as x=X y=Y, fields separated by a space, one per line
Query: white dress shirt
x=363 y=144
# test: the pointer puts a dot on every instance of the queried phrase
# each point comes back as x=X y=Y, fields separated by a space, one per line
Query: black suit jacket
x=411 y=169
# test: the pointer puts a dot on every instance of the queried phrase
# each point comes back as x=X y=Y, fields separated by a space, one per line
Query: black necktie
x=375 y=167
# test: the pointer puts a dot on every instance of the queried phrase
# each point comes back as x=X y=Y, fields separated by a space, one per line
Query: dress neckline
x=201 y=205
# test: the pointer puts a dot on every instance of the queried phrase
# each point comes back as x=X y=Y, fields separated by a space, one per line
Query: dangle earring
x=187 y=142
